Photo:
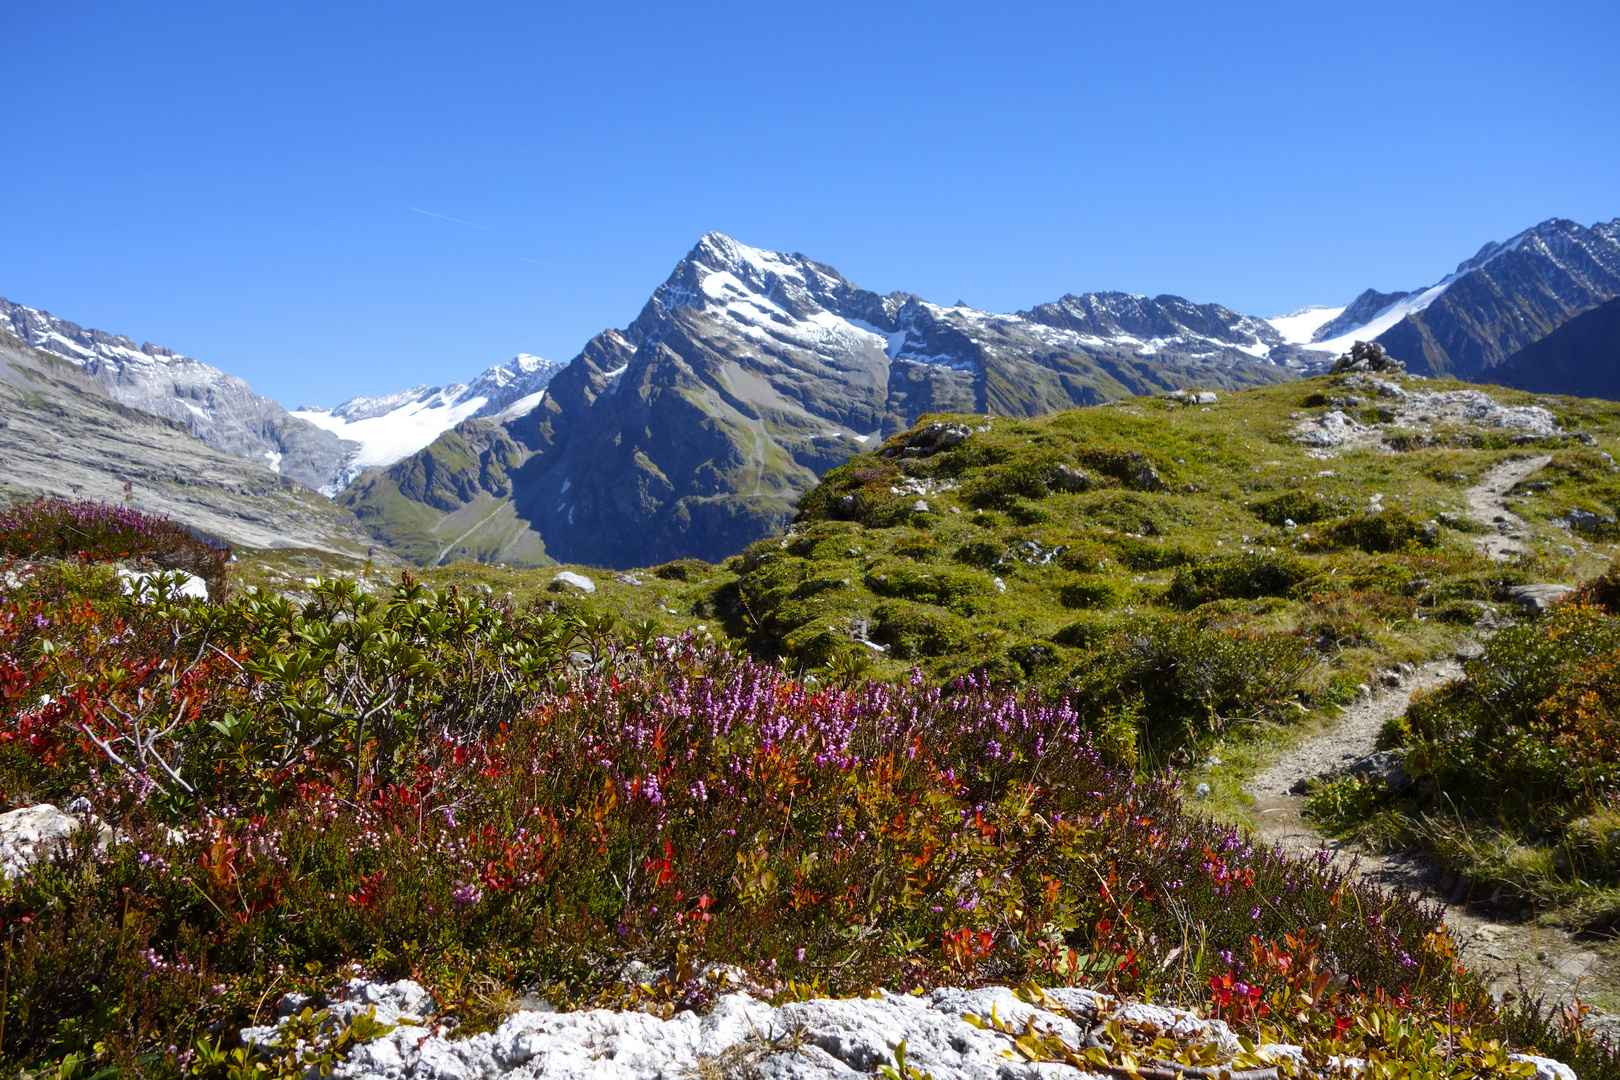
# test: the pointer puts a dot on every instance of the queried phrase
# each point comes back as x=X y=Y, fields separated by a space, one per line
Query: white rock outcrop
x=31 y=833
x=743 y=1038
x=820 y=1039
x=1417 y=412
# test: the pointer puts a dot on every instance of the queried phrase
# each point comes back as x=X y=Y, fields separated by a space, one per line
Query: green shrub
x=927 y=585
x=1300 y=507
x=1240 y=577
x=915 y=630
x=683 y=570
x=1187 y=680
x=1146 y=555
x=1005 y=487
x=1386 y=531
x=1093 y=591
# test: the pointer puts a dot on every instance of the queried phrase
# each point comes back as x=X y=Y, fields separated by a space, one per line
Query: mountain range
x=320 y=448
x=693 y=430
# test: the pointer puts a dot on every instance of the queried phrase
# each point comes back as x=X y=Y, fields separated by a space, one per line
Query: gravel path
x=1485 y=505
x=1507 y=948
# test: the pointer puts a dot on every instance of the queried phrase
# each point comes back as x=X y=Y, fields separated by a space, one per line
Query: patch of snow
x=1386 y=318
x=398 y=433
x=274 y=458
x=894 y=340
x=523 y=406
x=1297 y=327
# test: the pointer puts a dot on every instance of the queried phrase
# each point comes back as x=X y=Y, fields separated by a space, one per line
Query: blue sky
x=238 y=181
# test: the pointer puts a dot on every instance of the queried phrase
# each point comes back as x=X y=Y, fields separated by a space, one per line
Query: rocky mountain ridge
x=320 y=448
x=219 y=409
x=62 y=433
x=1506 y=297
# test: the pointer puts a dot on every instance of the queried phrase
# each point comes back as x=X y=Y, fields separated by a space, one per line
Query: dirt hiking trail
x=1505 y=947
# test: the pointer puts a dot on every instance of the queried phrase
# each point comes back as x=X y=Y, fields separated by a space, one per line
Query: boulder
x=1069 y=478
x=32 y=833
x=934 y=438
x=1385 y=766
x=1584 y=521
x=1147 y=479
x=1539 y=599
x=578 y=581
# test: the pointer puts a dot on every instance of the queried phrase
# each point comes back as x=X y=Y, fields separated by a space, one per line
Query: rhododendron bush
x=431 y=785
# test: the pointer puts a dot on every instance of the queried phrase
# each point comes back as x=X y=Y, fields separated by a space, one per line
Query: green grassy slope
x=1165 y=590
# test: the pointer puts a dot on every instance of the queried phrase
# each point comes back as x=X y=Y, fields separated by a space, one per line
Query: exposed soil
x=1507 y=947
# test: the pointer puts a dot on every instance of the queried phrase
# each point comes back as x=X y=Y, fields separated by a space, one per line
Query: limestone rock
x=820 y=1039
x=32 y=833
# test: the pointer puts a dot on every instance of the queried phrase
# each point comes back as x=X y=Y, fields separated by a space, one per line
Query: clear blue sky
x=237 y=181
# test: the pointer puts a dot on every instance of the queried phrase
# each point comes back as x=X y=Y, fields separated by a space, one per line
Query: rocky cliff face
x=63 y=433
x=1508 y=296
x=749 y=373
x=219 y=409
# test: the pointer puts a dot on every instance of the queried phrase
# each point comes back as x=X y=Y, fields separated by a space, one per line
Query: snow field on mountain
x=1297 y=326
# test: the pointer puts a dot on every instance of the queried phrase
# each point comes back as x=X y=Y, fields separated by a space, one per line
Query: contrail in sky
x=537 y=262
x=458 y=221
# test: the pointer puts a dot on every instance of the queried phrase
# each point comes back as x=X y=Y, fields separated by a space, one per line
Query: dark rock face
x=1509 y=296
x=1581 y=357
x=750 y=373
